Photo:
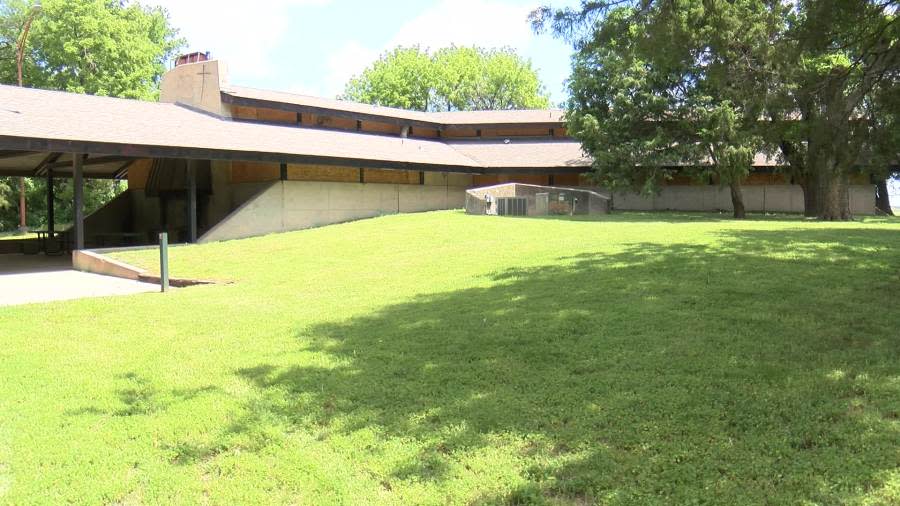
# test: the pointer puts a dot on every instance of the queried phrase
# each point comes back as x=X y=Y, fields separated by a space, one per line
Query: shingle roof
x=436 y=119
x=526 y=116
x=42 y=121
x=324 y=103
x=523 y=152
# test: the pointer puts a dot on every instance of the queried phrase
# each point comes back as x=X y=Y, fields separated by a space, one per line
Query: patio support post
x=192 y=200
x=50 y=201
x=78 y=182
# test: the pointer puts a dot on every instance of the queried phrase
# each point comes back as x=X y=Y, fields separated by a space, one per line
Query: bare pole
x=78 y=199
x=20 y=58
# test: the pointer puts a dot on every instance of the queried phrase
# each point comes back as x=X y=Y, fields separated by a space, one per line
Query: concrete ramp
x=27 y=279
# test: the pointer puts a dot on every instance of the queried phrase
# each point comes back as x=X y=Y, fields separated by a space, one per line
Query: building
x=215 y=161
x=520 y=199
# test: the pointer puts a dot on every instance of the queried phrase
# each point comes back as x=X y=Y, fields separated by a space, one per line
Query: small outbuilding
x=519 y=199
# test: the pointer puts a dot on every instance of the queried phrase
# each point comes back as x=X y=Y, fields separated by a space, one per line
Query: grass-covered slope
x=443 y=358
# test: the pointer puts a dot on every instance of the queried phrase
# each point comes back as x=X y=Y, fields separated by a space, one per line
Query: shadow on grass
x=698 y=216
x=670 y=217
x=138 y=396
x=760 y=370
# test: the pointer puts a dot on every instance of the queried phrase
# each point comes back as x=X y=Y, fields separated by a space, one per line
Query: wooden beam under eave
x=15 y=154
x=41 y=168
x=122 y=171
x=98 y=160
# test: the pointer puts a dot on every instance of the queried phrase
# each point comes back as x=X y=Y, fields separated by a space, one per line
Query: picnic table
x=44 y=237
x=118 y=238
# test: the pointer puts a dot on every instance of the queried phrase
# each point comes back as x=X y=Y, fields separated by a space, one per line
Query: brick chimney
x=194 y=57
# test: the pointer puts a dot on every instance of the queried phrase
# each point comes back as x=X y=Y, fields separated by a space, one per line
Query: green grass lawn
x=15 y=236
x=443 y=358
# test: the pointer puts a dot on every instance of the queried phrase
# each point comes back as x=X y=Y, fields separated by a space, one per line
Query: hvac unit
x=511 y=206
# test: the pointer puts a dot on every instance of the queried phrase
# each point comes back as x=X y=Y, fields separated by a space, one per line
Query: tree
x=664 y=88
x=882 y=114
x=833 y=58
x=99 y=47
x=453 y=78
x=808 y=67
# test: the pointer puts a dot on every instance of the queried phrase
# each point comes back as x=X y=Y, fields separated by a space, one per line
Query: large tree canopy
x=658 y=83
x=100 y=47
x=454 y=78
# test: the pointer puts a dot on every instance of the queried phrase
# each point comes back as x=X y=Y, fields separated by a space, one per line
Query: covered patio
x=79 y=166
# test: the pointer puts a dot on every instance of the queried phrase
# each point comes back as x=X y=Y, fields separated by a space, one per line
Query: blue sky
x=314 y=46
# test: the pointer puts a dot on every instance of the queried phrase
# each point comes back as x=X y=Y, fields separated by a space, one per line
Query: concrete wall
x=759 y=198
x=198 y=85
x=293 y=205
x=115 y=216
x=576 y=201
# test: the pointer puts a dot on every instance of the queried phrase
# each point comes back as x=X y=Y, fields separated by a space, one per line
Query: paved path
x=26 y=279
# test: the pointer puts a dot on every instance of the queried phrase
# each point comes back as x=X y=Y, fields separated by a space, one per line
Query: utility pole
x=20 y=58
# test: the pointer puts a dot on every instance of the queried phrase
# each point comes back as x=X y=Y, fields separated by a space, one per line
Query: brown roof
x=526 y=116
x=38 y=121
x=277 y=99
x=523 y=152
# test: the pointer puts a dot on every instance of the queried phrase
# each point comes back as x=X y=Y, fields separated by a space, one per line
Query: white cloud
x=449 y=22
x=347 y=61
x=239 y=32
x=466 y=23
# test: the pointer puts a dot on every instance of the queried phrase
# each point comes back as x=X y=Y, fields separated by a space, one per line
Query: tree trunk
x=883 y=198
x=833 y=196
x=737 y=200
x=810 y=202
x=804 y=174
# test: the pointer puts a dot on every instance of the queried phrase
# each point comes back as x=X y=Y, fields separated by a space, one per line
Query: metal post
x=23 y=220
x=78 y=182
x=192 y=200
x=164 y=261
x=51 y=218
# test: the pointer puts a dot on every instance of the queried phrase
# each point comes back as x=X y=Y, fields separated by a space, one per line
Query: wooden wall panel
x=460 y=132
x=322 y=173
x=254 y=172
x=263 y=114
x=485 y=179
x=391 y=176
x=276 y=116
x=241 y=112
x=137 y=174
x=380 y=128
x=428 y=133
x=314 y=120
x=566 y=179
x=525 y=178
x=516 y=132
x=585 y=179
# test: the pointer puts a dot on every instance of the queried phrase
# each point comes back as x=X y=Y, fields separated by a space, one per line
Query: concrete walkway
x=26 y=279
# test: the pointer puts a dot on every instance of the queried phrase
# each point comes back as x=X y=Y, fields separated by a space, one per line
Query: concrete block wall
x=758 y=198
x=293 y=205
